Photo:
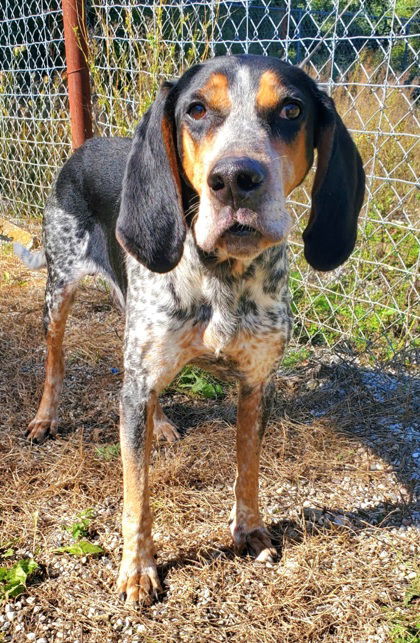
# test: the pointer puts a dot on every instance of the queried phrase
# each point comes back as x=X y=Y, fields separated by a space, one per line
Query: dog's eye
x=197 y=111
x=291 y=111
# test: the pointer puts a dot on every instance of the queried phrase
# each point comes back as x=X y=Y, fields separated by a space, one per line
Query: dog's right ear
x=151 y=224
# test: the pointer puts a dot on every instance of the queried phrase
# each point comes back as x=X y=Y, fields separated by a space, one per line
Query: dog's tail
x=34 y=260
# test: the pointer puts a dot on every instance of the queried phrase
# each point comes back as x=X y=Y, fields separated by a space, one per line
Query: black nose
x=234 y=180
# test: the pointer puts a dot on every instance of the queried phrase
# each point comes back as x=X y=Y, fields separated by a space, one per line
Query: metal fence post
x=77 y=71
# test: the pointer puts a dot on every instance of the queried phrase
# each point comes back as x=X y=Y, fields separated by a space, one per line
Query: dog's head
x=221 y=149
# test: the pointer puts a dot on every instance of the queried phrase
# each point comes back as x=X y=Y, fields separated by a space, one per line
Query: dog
x=188 y=223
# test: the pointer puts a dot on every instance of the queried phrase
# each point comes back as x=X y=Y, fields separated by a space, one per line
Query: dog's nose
x=234 y=180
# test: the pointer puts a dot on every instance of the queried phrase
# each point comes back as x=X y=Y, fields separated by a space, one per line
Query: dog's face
x=228 y=142
x=244 y=138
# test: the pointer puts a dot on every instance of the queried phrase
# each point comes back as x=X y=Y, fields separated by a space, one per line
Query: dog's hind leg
x=58 y=300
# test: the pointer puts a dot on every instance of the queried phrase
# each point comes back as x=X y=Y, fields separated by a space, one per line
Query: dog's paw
x=164 y=429
x=40 y=428
x=141 y=587
x=259 y=545
x=254 y=540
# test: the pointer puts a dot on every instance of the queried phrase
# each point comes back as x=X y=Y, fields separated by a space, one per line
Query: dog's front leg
x=138 y=579
x=248 y=531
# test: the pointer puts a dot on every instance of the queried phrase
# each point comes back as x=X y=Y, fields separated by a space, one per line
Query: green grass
x=404 y=620
x=369 y=305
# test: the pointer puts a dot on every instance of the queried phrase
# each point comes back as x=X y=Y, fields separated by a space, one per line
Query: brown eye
x=197 y=111
x=291 y=111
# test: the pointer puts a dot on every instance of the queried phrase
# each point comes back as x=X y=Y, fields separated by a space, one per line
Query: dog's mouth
x=240 y=240
x=241 y=230
x=241 y=233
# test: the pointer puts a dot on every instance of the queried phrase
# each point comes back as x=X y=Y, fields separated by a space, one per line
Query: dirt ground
x=338 y=481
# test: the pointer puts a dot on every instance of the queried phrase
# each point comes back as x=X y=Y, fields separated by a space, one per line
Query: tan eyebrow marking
x=216 y=92
x=269 y=90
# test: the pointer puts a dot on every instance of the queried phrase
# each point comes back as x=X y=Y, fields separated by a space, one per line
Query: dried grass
x=336 y=491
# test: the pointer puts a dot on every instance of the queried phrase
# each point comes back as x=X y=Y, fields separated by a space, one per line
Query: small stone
x=42 y=640
x=31 y=636
x=11 y=616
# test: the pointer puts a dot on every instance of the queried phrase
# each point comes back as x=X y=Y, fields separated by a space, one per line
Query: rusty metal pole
x=77 y=71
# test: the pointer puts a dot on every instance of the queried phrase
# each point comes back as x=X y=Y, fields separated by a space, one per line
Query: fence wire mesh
x=367 y=61
x=34 y=123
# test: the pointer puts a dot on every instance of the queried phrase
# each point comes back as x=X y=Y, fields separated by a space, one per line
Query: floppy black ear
x=337 y=193
x=151 y=224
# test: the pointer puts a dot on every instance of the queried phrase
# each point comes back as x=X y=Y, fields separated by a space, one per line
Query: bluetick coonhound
x=188 y=223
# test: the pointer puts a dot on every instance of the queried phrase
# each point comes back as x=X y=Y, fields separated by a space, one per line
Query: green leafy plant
x=196 y=382
x=80 y=548
x=13 y=580
x=80 y=528
x=6 y=549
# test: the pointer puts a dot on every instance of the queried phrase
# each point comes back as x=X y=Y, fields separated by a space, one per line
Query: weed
x=80 y=548
x=80 y=528
x=413 y=592
x=404 y=630
x=196 y=382
x=13 y=580
x=7 y=550
x=294 y=357
x=108 y=452
x=405 y=620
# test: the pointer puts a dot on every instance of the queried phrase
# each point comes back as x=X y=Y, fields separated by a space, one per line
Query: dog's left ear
x=151 y=223
x=337 y=193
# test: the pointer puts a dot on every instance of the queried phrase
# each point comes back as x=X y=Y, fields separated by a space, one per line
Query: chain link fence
x=364 y=54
